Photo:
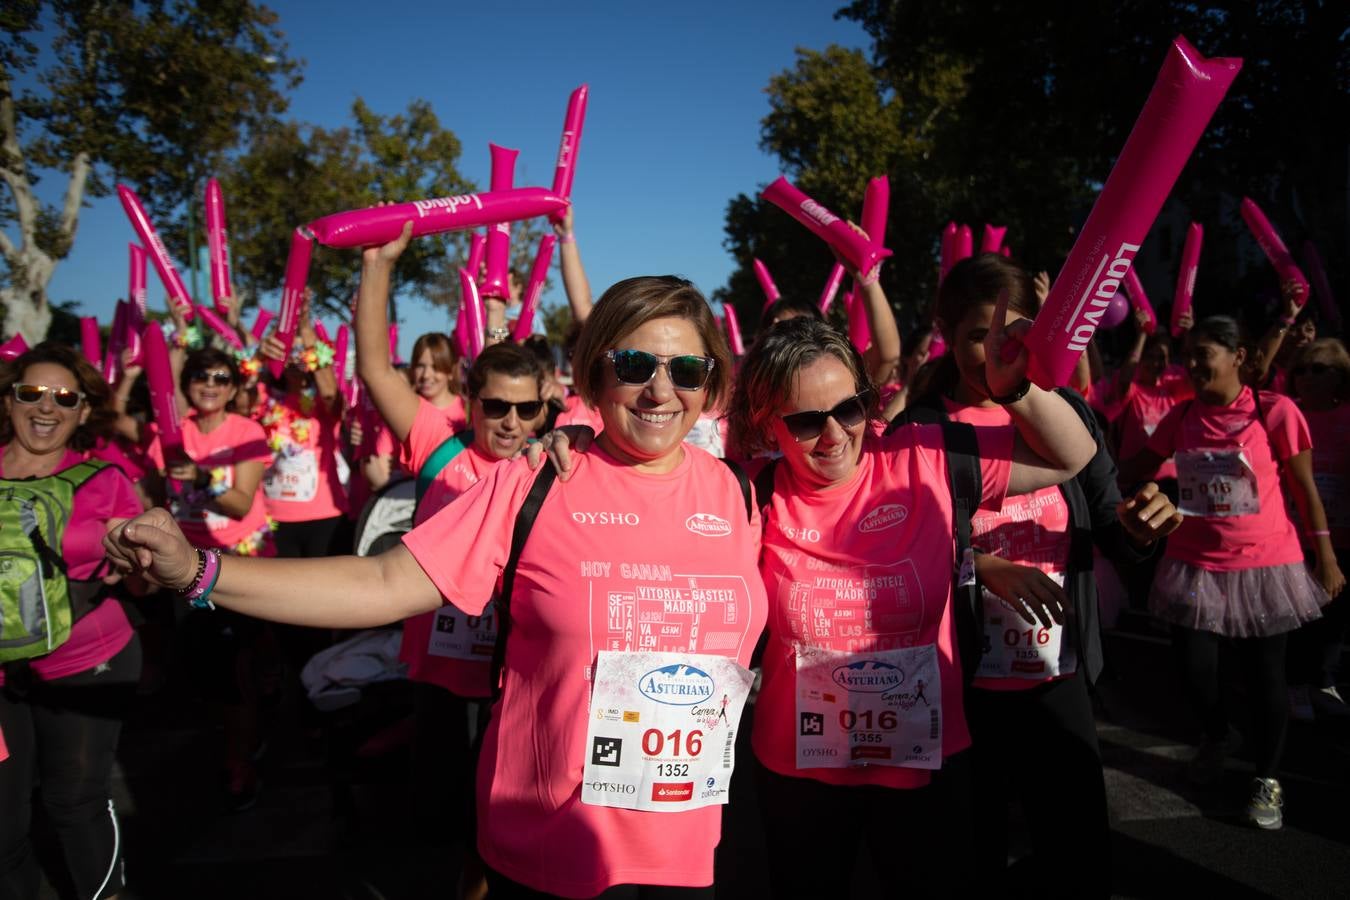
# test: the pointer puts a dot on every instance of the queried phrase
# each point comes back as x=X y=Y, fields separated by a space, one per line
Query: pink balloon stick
x=733 y=329
x=1139 y=300
x=570 y=143
x=992 y=239
x=220 y=326
x=292 y=295
x=265 y=317
x=1325 y=299
x=340 y=365
x=393 y=342
x=159 y=254
x=538 y=275
x=136 y=290
x=91 y=344
x=495 y=281
x=876 y=206
x=948 y=251
x=1006 y=251
x=831 y=287
x=112 y=354
x=474 y=317
x=965 y=243
x=14 y=347
x=1190 y=267
x=163 y=404
x=381 y=224
x=1291 y=276
x=1184 y=98
x=477 y=247
x=859 y=251
x=859 y=330
x=462 y=323
x=766 y=284
x=218 y=242
x=322 y=333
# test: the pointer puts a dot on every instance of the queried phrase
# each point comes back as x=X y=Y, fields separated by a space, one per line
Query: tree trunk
x=26 y=312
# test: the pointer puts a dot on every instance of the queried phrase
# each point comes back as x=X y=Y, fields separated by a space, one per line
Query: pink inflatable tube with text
x=381 y=224
x=340 y=362
x=1184 y=97
x=495 y=280
x=220 y=327
x=159 y=378
x=1139 y=300
x=566 y=169
x=859 y=329
x=831 y=287
x=217 y=241
x=860 y=253
x=112 y=354
x=771 y=294
x=1190 y=267
x=475 y=318
x=145 y=230
x=530 y=302
x=477 y=247
x=1291 y=276
x=292 y=295
x=265 y=317
x=876 y=206
x=91 y=343
x=137 y=293
x=1326 y=300
x=733 y=329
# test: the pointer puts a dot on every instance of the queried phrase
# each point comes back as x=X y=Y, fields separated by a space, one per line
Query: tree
x=155 y=92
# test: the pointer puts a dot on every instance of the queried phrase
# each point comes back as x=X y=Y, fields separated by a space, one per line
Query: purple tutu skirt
x=1238 y=603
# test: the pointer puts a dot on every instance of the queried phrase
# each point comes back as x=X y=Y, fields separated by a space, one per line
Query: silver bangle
x=499 y=334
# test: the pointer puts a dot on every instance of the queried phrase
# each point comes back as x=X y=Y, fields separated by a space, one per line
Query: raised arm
x=1269 y=346
x=576 y=285
x=393 y=397
x=325 y=379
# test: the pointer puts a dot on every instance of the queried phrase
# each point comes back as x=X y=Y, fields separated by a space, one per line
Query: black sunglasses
x=808 y=424
x=500 y=409
x=638 y=367
x=1310 y=369
x=62 y=397
x=219 y=379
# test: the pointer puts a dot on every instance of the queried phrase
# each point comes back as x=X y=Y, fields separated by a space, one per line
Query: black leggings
x=1261 y=660
x=502 y=888
x=64 y=732
x=814 y=831
x=1038 y=747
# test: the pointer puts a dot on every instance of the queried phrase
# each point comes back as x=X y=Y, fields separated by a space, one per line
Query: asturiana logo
x=448 y=203
x=869 y=676
x=883 y=517
x=708 y=525
x=677 y=684
x=818 y=212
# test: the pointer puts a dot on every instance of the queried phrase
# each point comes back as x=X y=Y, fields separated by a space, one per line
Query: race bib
x=882 y=708
x=458 y=635
x=1014 y=649
x=661 y=734
x=1331 y=488
x=293 y=476
x=1217 y=483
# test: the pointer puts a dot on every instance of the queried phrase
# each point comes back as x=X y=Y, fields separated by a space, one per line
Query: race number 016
x=885 y=721
x=1012 y=637
x=653 y=742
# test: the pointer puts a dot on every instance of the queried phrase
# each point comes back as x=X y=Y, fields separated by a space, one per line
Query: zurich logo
x=870 y=676
x=676 y=685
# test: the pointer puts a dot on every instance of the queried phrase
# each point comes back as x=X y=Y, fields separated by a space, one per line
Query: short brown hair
x=97 y=394
x=505 y=358
x=634 y=302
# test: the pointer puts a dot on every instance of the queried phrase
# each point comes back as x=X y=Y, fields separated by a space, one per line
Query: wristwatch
x=1018 y=393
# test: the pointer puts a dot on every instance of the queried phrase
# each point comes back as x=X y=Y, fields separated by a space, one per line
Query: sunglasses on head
x=1310 y=369
x=500 y=409
x=63 y=397
x=219 y=379
x=638 y=367
x=808 y=424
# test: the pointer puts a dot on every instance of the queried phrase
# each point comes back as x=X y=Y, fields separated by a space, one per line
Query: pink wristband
x=569 y=238
x=1323 y=533
x=205 y=581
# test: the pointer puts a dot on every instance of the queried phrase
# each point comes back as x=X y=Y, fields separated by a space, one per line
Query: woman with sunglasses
x=1319 y=381
x=1032 y=729
x=1234 y=575
x=636 y=603
x=61 y=712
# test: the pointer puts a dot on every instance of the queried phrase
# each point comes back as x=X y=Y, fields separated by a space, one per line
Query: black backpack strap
x=529 y=510
x=744 y=481
x=963 y=471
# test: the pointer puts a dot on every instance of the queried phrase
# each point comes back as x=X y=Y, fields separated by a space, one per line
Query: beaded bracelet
x=208 y=572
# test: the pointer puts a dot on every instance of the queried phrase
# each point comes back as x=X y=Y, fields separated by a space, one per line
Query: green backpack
x=38 y=603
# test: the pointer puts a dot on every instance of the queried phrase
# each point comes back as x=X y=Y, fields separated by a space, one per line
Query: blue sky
x=671 y=134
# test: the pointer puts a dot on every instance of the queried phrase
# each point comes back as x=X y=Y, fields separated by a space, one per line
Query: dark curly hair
x=97 y=394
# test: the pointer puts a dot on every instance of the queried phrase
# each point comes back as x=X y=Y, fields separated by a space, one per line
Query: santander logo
x=708 y=525
x=883 y=517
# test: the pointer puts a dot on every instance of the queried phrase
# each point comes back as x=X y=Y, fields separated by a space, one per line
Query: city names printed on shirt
x=855 y=607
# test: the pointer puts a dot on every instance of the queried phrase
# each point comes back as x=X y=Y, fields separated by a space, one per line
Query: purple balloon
x=1117 y=311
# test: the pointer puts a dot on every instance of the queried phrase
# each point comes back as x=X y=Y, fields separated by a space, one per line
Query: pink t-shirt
x=576 y=412
x=301 y=484
x=1144 y=407
x=1330 y=431
x=128 y=457
x=606 y=544
x=1030 y=530
x=235 y=440
x=97 y=636
x=1263 y=538
x=456 y=414
x=891 y=520
x=429 y=430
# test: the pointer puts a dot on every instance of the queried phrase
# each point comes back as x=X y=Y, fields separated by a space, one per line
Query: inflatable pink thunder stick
x=168 y=273
x=948 y=251
x=475 y=319
x=1325 y=299
x=461 y=333
x=1184 y=97
x=876 y=207
x=477 y=247
x=340 y=363
x=858 y=251
x=265 y=317
x=733 y=329
x=14 y=347
x=137 y=295
x=566 y=169
x=965 y=244
x=992 y=239
x=771 y=294
x=218 y=243
x=859 y=329
x=220 y=326
x=1190 y=267
x=529 y=303
x=292 y=296
x=1139 y=300
x=381 y=224
x=1291 y=277
x=494 y=283
x=831 y=287
x=91 y=344
x=112 y=354
x=159 y=378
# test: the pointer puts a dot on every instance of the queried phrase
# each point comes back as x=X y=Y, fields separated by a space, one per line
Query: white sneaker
x=1265 y=809
x=1300 y=703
